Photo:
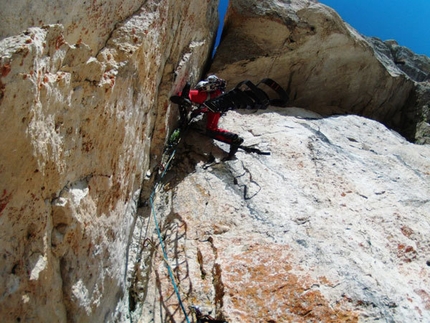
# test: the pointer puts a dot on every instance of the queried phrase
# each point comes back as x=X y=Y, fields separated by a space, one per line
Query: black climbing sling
x=254 y=150
x=247 y=95
x=283 y=96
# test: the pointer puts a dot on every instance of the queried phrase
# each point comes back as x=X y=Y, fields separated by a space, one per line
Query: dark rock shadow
x=195 y=150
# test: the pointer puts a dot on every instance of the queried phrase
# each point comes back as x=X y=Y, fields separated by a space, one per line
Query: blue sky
x=406 y=21
x=222 y=9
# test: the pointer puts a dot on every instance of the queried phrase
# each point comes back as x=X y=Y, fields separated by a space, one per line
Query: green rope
x=151 y=201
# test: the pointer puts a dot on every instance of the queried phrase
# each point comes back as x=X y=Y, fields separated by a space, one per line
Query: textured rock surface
x=422 y=111
x=417 y=67
x=89 y=22
x=324 y=63
x=76 y=142
x=333 y=226
x=416 y=115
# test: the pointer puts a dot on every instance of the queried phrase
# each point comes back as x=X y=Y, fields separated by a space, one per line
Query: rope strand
x=169 y=269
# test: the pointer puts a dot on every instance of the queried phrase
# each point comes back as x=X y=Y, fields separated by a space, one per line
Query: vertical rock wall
x=416 y=114
x=82 y=103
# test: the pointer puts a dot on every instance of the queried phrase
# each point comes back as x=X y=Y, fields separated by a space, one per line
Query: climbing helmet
x=212 y=83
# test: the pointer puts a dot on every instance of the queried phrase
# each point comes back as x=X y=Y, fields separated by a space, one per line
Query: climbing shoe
x=234 y=145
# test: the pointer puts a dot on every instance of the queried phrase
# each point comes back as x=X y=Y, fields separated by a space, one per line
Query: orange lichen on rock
x=260 y=285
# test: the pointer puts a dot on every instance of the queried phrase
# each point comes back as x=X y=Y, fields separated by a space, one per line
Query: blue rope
x=151 y=201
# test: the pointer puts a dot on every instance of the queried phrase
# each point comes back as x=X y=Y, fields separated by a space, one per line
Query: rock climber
x=211 y=98
x=205 y=90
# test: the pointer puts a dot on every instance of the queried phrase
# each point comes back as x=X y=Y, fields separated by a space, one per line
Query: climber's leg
x=223 y=135
x=213 y=131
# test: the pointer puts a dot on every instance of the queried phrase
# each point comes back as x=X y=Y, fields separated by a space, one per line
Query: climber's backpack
x=247 y=95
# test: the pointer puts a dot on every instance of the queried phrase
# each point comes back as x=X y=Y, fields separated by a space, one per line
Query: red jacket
x=200 y=97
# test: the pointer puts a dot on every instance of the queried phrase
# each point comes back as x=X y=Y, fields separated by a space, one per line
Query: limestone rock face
x=81 y=102
x=325 y=64
x=417 y=67
x=333 y=226
x=416 y=113
x=422 y=111
x=89 y=22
